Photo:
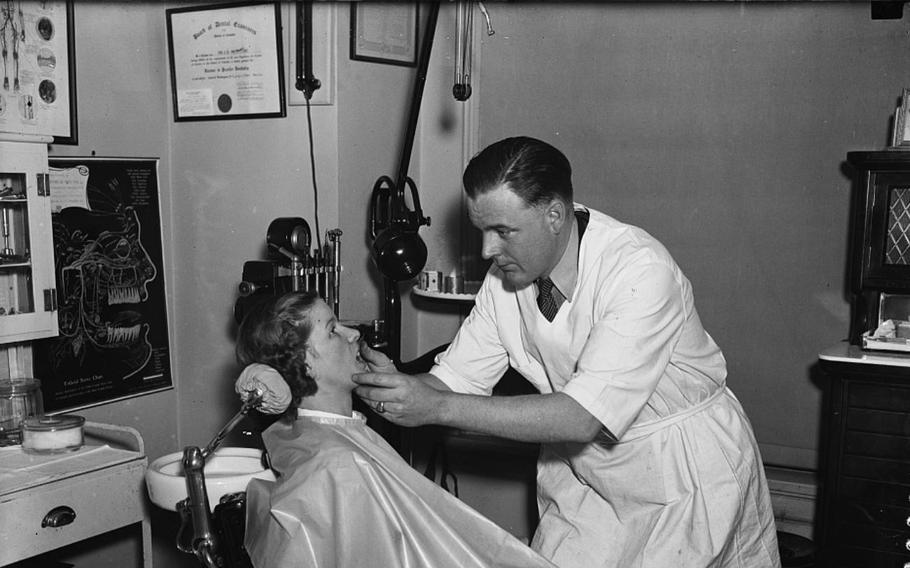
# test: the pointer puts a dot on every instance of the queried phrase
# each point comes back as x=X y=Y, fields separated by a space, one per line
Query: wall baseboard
x=793 y=495
x=788 y=456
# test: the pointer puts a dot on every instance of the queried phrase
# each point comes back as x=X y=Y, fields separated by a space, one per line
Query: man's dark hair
x=534 y=170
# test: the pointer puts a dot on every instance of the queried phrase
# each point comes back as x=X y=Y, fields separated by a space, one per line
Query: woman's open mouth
x=359 y=358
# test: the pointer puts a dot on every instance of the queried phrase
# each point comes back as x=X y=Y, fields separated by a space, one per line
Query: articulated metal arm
x=195 y=512
x=197 y=534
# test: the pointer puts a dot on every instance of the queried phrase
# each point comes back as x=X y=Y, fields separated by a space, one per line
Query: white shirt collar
x=322 y=414
x=565 y=273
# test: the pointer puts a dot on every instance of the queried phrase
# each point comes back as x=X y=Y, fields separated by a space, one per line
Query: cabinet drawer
x=895 y=542
x=893 y=449
x=849 y=557
x=886 y=516
x=878 y=397
x=120 y=485
x=878 y=421
x=871 y=492
x=887 y=471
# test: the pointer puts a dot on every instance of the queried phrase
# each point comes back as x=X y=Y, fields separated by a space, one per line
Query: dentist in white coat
x=647 y=458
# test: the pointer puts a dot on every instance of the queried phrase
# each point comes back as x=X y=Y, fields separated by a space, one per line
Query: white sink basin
x=228 y=470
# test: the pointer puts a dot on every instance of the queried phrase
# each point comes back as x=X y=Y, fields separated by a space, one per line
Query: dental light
x=398 y=251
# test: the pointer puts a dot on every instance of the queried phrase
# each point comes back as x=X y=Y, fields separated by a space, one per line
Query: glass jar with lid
x=19 y=399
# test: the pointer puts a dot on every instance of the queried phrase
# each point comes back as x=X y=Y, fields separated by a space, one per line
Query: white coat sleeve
x=476 y=358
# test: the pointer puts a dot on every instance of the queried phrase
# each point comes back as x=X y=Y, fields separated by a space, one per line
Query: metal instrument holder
x=197 y=534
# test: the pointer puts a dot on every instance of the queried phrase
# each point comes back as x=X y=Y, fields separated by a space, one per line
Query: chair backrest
x=230 y=524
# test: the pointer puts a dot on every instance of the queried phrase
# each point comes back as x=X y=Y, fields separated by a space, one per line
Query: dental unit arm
x=197 y=534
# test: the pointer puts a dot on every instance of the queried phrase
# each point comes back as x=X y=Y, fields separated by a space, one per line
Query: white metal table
x=51 y=501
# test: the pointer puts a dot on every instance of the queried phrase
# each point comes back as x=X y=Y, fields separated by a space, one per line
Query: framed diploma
x=226 y=61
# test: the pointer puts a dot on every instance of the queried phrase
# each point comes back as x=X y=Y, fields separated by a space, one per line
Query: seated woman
x=344 y=497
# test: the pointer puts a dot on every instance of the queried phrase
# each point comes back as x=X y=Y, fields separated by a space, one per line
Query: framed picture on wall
x=38 y=96
x=110 y=290
x=226 y=61
x=384 y=32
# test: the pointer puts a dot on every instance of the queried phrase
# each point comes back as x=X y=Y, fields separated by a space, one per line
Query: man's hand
x=424 y=399
x=266 y=381
x=377 y=361
x=402 y=399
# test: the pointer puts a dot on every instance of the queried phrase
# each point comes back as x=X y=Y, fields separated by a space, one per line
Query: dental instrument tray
x=891 y=335
x=470 y=290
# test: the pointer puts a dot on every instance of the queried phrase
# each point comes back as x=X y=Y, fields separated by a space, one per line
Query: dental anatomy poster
x=112 y=313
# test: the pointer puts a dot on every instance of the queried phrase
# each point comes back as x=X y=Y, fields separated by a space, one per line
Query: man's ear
x=556 y=216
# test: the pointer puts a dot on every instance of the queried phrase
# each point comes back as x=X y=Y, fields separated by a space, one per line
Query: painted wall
x=720 y=128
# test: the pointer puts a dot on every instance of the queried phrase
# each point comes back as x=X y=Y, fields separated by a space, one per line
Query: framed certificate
x=226 y=61
x=384 y=32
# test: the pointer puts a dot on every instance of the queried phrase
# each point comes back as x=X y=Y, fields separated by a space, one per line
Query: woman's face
x=333 y=350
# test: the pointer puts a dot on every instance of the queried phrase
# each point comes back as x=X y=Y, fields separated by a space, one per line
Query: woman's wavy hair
x=275 y=333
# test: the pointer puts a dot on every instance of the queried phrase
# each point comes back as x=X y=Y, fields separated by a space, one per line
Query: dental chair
x=215 y=535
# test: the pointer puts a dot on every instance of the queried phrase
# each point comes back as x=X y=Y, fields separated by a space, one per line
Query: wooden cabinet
x=879 y=263
x=864 y=511
x=27 y=296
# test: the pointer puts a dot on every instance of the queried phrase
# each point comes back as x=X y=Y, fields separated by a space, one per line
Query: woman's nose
x=351 y=333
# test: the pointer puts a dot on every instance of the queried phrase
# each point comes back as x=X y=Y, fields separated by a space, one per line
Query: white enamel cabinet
x=28 y=299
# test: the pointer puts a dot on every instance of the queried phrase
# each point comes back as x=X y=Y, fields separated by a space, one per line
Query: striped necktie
x=545 y=300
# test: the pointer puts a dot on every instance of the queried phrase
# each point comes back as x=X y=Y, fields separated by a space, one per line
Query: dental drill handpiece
x=253 y=402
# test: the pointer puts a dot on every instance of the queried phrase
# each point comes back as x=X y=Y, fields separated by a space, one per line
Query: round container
x=52 y=434
x=19 y=399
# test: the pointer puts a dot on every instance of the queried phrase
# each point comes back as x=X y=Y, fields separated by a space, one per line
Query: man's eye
x=504 y=233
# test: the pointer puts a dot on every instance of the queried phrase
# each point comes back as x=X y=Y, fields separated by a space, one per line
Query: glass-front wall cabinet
x=27 y=296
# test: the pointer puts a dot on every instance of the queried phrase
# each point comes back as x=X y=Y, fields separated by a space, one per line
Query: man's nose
x=490 y=246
